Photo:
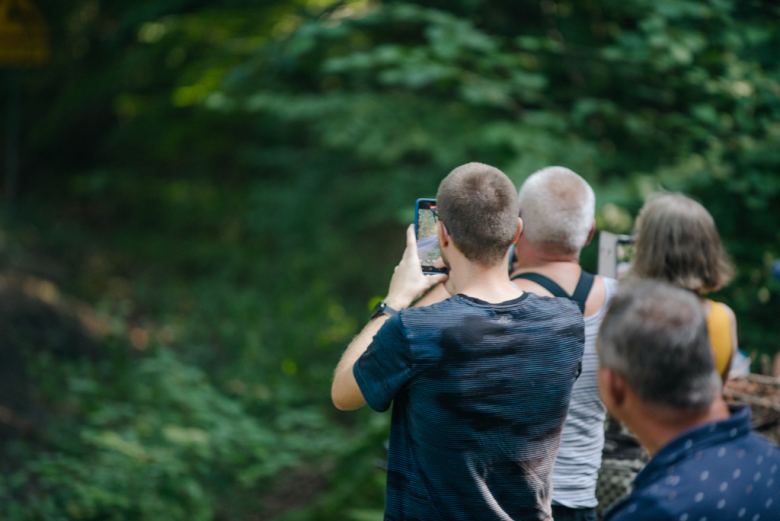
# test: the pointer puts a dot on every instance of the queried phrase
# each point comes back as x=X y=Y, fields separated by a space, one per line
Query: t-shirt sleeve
x=385 y=366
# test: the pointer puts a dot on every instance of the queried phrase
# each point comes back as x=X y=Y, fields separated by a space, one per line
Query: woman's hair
x=677 y=242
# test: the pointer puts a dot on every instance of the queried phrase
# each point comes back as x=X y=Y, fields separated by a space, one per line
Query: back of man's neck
x=533 y=258
x=550 y=265
x=657 y=426
x=488 y=284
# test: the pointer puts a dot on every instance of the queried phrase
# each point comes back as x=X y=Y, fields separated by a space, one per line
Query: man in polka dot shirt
x=657 y=376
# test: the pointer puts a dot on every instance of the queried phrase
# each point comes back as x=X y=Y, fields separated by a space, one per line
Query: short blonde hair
x=677 y=241
x=477 y=205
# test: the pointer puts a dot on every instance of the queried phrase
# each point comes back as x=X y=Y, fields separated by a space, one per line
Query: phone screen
x=616 y=254
x=425 y=219
x=624 y=256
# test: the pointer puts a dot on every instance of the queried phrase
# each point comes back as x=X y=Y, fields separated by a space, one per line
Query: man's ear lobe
x=519 y=229
x=612 y=389
x=443 y=235
x=591 y=233
x=617 y=387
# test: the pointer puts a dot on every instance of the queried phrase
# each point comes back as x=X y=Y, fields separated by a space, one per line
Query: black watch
x=382 y=309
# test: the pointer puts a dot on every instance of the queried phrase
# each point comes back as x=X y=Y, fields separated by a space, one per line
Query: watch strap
x=382 y=309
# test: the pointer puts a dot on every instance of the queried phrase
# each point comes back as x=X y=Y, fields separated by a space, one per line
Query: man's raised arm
x=407 y=284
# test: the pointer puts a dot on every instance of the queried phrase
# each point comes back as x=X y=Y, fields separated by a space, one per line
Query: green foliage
x=679 y=96
x=225 y=189
x=157 y=441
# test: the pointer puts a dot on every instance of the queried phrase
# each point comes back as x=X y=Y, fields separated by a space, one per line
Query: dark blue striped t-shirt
x=480 y=395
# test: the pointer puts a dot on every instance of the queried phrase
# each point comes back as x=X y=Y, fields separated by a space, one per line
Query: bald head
x=557 y=207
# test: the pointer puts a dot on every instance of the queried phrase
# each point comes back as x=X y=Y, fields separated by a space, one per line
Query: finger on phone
x=411 y=244
x=411 y=237
x=438 y=278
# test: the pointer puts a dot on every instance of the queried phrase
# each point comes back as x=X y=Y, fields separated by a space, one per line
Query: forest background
x=213 y=195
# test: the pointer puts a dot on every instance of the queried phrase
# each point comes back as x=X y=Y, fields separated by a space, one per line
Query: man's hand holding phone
x=408 y=282
x=448 y=289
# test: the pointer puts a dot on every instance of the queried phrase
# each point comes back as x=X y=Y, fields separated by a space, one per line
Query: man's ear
x=612 y=388
x=519 y=229
x=444 y=237
x=592 y=232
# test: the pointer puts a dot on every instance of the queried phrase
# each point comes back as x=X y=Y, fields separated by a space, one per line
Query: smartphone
x=425 y=219
x=616 y=254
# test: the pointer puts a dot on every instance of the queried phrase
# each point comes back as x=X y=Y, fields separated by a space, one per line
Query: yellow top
x=719 y=329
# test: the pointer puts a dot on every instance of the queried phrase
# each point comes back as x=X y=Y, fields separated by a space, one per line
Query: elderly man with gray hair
x=658 y=377
x=558 y=207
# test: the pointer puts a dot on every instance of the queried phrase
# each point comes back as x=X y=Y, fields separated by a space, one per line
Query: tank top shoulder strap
x=583 y=288
x=545 y=282
x=581 y=292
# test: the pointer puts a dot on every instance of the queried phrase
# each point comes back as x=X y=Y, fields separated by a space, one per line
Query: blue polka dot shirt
x=717 y=471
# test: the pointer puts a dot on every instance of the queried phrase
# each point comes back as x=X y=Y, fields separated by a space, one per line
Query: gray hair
x=655 y=336
x=557 y=207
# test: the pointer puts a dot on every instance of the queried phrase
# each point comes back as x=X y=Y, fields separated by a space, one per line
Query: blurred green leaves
x=225 y=188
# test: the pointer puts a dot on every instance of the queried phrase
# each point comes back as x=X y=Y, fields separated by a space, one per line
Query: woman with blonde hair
x=677 y=242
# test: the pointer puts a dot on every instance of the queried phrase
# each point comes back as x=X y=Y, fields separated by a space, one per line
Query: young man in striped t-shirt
x=480 y=382
x=557 y=207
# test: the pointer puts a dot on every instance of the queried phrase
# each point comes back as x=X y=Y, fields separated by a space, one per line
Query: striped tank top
x=582 y=440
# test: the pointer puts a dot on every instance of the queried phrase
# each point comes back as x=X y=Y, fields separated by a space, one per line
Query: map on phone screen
x=427 y=236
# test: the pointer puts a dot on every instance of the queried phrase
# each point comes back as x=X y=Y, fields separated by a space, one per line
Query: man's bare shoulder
x=596 y=297
x=533 y=287
x=437 y=294
x=568 y=281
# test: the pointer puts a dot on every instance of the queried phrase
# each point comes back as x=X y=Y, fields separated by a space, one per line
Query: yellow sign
x=24 y=35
